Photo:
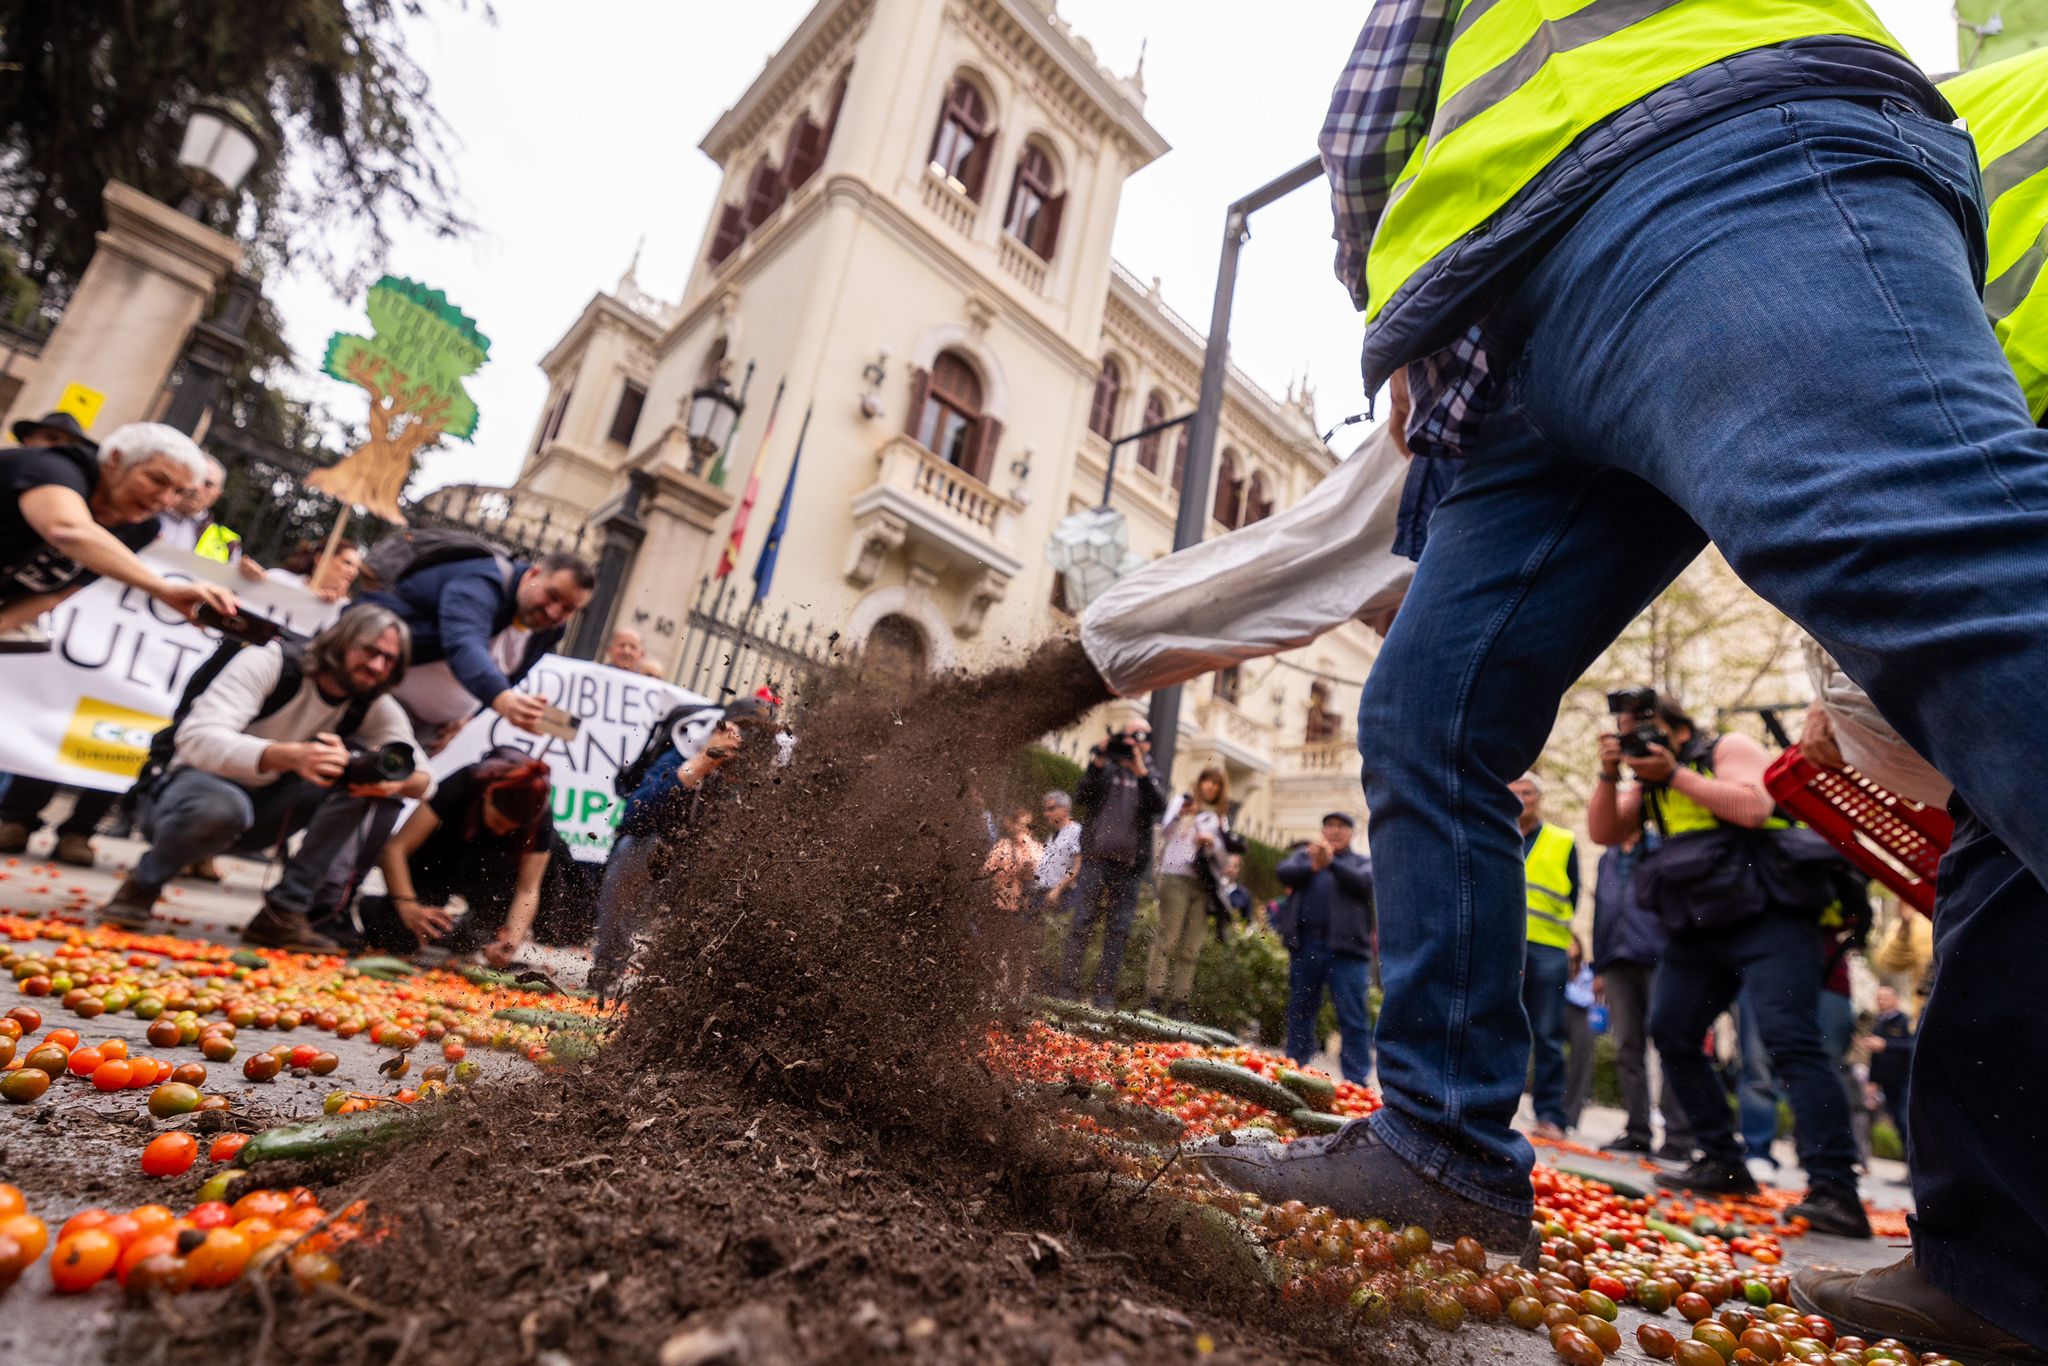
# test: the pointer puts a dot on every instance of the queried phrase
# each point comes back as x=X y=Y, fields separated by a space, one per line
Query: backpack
x=660 y=737
x=408 y=552
x=163 y=746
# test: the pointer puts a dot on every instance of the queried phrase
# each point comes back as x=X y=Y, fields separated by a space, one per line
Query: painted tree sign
x=412 y=368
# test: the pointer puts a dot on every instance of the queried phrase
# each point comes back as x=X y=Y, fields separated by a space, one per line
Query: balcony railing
x=1338 y=756
x=1022 y=262
x=944 y=197
x=944 y=503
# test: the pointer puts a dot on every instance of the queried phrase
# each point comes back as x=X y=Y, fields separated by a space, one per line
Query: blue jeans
x=1107 y=892
x=1768 y=333
x=1773 y=961
x=1545 y=970
x=619 y=902
x=1757 y=1095
x=197 y=815
x=1310 y=967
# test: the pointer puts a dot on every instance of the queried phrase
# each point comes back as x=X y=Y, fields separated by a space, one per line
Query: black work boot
x=1833 y=1209
x=1898 y=1301
x=1627 y=1146
x=280 y=929
x=1356 y=1174
x=1711 y=1176
x=130 y=905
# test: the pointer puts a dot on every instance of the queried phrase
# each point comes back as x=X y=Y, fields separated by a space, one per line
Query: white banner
x=615 y=708
x=84 y=713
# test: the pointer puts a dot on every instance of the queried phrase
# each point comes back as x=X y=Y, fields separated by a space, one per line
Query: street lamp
x=1092 y=548
x=221 y=147
x=714 y=412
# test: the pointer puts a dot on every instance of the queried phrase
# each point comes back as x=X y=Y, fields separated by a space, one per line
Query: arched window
x=1109 y=391
x=1257 y=506
x=950 y=410
x=1033 y=217
x=1148 y=449
x=1180 y=460
x=960 y=149
x=802 y=152
x=1229 y=489
x=732 y=230
x=765 y=193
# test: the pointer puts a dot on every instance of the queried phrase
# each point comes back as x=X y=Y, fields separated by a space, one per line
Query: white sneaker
x=1764 y=1170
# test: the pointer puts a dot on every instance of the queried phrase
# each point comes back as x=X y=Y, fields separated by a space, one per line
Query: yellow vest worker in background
x=1551 y=879
x=1653 y=272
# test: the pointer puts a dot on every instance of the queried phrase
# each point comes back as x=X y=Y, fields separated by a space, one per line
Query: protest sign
x=614 y=710
x=84 y=713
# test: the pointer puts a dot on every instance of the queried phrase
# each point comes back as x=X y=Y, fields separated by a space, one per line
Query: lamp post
x=1091 y=548
x=714 y=416
x=221 y=147
x=1164 y=714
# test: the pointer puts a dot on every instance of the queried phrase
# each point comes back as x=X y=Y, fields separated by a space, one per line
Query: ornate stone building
x=913 y=238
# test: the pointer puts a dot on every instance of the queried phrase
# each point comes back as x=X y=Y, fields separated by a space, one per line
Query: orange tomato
x=112 y=1076
x=257 y=1229
x=264 y=1204
x=303 y=1218
x=219 y=1259
x=151 y=1219
x=83 y=1260
x=122 y=1228
x=81 y=1221
x=11 y=1201
x=226 y=1146
x=66 y=1039
x=84 y=1060
x=114 y=1048
x=212 y=1214
x=168 y=1154
x=28 y=1236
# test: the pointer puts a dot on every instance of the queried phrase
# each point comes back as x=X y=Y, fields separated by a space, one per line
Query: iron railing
x=733 y=647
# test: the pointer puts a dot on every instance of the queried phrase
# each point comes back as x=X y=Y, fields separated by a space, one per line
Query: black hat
x=1342 y=817
x=56 y=421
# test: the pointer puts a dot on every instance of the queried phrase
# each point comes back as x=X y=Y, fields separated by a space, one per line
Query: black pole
x=216 y=346
x=1193 y=519
x=1109 y=474
x=623 y=531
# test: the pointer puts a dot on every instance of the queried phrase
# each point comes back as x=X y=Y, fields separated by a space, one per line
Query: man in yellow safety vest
x=1551 y=877
x=1656 y=272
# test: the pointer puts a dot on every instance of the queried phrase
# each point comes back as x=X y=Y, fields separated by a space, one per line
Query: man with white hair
x=70 y=517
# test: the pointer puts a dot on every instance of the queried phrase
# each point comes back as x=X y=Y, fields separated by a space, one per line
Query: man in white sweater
x=259 y=756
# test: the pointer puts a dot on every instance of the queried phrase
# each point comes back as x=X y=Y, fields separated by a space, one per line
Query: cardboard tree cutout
x=412 y=369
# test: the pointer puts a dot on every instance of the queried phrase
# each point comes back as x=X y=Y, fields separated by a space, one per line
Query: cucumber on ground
x=386 y=969
x=1198 y=1033
x=1316 y=1121
x=1627 y=1190
x=553 y=1019
x=1233 y=1080
x=337 y=1136
x=1317 y=1093
x=244 y=958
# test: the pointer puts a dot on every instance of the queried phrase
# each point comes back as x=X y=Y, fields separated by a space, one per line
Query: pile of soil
x=791 y=1151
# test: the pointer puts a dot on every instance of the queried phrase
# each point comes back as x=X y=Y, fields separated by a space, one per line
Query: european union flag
x=764 y=568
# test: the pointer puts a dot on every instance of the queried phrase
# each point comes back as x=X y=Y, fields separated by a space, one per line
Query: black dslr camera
x=1118 y=746
x=246 y=627
x=392 y=763
x=1635 y=719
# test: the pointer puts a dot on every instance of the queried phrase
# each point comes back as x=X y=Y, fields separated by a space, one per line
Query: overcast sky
x=577 y=131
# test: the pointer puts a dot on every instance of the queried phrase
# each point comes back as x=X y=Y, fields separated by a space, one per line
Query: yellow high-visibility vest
x=2005 y=106
x=217 y=543
x=1525 y=79
x=1547 y=876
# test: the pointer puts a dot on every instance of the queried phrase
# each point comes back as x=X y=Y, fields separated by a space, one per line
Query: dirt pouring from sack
x=790 y=1151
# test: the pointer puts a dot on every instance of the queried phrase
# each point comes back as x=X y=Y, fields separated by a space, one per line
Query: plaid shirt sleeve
x=1379 y=112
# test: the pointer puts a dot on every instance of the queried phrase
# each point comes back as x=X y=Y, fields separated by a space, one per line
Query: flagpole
x=781 y=509
x=736 y=538
x=718 y=469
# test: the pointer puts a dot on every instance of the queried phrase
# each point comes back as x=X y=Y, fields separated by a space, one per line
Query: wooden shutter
x=981 y=449
x=977 y=164
x=920 y=389
x=626 y=416
x=1048 y=233
x=806 y=152
x=732 y=230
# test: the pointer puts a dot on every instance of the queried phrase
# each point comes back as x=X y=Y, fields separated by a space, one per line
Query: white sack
x=1272 y=586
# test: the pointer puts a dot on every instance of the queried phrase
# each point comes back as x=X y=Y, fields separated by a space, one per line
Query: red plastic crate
x=1892 y=838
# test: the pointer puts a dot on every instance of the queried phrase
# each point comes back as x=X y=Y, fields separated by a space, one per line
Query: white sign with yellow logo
x=84 y=713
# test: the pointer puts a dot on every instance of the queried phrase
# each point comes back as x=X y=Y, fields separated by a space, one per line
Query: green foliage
x=1042 y=771
x=1885 y=1142
x=1260 y=875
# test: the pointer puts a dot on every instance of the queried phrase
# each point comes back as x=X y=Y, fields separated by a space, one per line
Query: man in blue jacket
x=1327 y=925
x=479 y=624
x=1627 y=942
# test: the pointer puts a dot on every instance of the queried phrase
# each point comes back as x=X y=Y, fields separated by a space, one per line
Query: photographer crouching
x=1741 y=892
x=288 y=736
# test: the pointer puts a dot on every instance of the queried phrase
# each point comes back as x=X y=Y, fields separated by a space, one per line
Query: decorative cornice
x=601 y=312
x=1070 y=77
x=829 y=24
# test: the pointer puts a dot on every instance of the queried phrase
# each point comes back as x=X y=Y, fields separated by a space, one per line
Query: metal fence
x=268 y=504
x=732 y=646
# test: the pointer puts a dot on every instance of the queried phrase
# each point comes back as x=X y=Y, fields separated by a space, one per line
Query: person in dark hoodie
x=1627 y=942
x=479 y=624
x=1118 y=802
x=1327 y=925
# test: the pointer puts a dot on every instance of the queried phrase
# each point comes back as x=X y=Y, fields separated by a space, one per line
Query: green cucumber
x=1627 y=1190
x=1233 y=1080
x=244 y=958
x=382 y=968
x=1316 y=1122
x=553 y=1019
x=1317 y=1093
x=1195 y=1033
x=1680 y=1236
x=337 y=1136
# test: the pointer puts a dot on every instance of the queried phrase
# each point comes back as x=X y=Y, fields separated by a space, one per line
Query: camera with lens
x=246 y=627
x=1635 y=719
x=392 y=763
x=1118 y=746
